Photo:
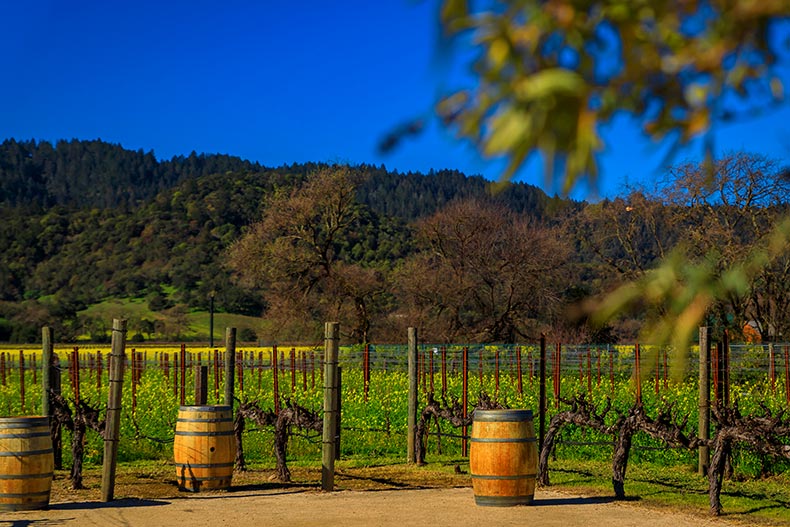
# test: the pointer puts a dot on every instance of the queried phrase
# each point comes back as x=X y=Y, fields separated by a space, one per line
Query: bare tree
x=293 y=253
x=484 y=273
x=629 y=235
x=729 y=214
x=710 y=219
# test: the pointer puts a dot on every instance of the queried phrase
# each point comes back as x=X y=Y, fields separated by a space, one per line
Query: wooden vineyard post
x=430 y=370
x=338 y=401
x=260 y=369
x=22 y=378
x=111 y=432
x=557 y=374
x=496 y=373
x=303 y=356
x=216 y=375
x=331 y=336
x=134 y=382
x=292 y=359
x=465 y=400
x=74 y=373
x=175 y=374
x=240 y=370
x=772 y=366
x=725 y=362
x=480 y=367
x=520 y=381
x=312 y=369
x=365 y=371
x=413 y=390
x=421 y=370
x=704 y=399
x=99 y=367
x=787 y=375
x=57 y=433
x=47 y=348
x=201 y=385
x=33 y=368
x=444 y=371
x=638 y=374
x=714 y=369
x=542 y=393
x=275 y=380
x=230 y=363
x=183 y=384
x=211 y=296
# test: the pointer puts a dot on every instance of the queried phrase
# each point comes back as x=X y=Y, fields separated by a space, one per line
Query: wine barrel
x=26 y=463
x=503 y=457
x=205 y=447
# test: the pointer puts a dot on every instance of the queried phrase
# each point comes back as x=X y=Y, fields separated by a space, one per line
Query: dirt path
x=296 y=507
x=394 y=495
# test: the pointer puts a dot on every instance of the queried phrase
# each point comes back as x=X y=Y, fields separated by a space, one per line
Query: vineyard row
x=297 y=367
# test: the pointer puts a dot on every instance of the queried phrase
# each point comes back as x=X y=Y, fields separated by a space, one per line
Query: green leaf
x=507 y=130
x=550 y=82
x=453 y=14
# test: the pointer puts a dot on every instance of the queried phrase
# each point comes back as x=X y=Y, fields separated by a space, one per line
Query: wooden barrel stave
x=26 y=463
x=205 y=448
x=503 y=457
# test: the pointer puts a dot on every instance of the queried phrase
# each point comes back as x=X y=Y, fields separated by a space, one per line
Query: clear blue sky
x=273 y=82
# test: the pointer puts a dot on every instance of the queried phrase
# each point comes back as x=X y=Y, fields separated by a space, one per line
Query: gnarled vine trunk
x=582 y=413
x=291 y=416
x=78 y=421
x=765 y=434
x=453 y=413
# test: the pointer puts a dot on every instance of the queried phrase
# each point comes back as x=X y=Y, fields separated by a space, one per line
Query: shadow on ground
x=115 y=504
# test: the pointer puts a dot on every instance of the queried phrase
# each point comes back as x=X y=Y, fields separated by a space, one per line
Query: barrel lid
x=510 y=414
x=219 y=408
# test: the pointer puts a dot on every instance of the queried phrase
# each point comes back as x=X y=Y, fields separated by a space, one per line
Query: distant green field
x=120 y=308
x=198 y=322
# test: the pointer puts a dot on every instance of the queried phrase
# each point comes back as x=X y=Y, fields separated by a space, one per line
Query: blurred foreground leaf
x=681 y=292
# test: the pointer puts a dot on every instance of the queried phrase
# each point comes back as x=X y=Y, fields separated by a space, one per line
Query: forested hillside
x=96 y=174
x=83 y=221
x=411 y=196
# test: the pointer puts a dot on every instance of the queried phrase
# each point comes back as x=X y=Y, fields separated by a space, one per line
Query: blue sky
x=273 y=82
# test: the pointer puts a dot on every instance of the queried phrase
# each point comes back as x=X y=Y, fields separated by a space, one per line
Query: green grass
x=763 y=501
x=119 y=308
x=199 y=324
x=136 y=309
